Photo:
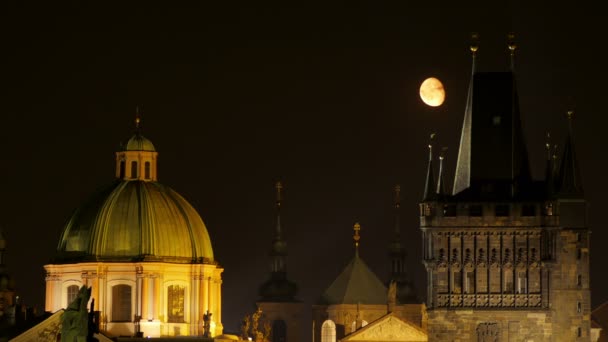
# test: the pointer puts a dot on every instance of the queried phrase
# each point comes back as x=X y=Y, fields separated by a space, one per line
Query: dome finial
x=137 y=118
x=357 y=237
x=279 y=188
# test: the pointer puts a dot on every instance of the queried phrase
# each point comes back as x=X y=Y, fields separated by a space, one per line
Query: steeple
x=397 y=255
x=462 y=177
x=429 y=186
x=278 y=288
x=512 y=46
x=279 y=246
x=396 y=251
x=570 y=177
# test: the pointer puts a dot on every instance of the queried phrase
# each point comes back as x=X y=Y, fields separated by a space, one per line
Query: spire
x=549 y=169
x=570 y=178
x=429 y=191
x=279 y=246
x=512 y=46
x=440 y=182
x=397 y=207
x=357 y=237
x=279 y=188
x=462 y=177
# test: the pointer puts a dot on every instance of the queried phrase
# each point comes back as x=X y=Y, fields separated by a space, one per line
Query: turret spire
x=462 y=176
x=440 y=182
x=570 y=178
x=549 y=172
x=397 y=207
x=357 y=237
x=512 y=46
x=429 y=191
x=279 y=246
x=137 y=119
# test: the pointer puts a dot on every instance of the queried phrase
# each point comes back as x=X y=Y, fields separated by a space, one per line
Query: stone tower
x=507 y=257
x=278 y=294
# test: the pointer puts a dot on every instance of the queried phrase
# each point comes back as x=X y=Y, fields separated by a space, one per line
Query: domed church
x=144 y=251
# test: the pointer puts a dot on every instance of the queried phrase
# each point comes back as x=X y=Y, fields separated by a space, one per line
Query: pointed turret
x=429 y=186
x=549 y=180
x=569 y=173
x=278 y=288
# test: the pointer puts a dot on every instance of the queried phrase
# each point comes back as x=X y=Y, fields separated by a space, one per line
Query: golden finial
x=548 y=145
x=431 y=142
x=279 y=187
x=137 y=118
x=474 y=43
x=357 y=237
x=570 y=113
x=511 y=42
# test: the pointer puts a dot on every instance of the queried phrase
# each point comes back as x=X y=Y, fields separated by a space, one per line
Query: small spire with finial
x=279 y=188
x=512 y=46
x=137 y=119
x=429 y=191
x=440 y=183
x=397 y=206
x=474 y=43
x=357 y=237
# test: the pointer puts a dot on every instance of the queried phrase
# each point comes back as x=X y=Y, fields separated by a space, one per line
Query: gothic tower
x=507 y=257
x=278 y=295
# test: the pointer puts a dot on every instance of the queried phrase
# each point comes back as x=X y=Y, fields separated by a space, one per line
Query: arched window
x=328 y=331
x=71 y=293
x=121 y=303
x=279 y=331
x=175 y=303
x=122 y=169
x=133 y=169
x=147 y=170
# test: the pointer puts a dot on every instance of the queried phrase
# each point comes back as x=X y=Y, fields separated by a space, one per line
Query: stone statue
x=207 y=324
x=75 y=318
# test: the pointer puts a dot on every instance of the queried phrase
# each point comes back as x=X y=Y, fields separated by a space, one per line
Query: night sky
x=236 y=97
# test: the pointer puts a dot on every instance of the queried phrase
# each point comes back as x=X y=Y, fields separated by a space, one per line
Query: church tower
x=507 y=257
x=278 y=295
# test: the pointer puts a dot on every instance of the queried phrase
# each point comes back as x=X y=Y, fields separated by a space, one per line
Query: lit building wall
x=171 y=299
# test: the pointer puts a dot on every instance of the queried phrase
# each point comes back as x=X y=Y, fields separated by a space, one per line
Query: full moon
x=432 y=92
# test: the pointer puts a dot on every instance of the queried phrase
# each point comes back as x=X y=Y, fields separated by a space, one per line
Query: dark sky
x=322 y=97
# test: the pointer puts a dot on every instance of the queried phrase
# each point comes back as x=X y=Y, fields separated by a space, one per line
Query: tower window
x=456 y=282
x=469 y=283
x=133 y=169
x=72 y=293
x=475 y=210
x=449 y=210
x=522 y=285
x=175 y=303
x=147 y=170
x=528 y=210
x=501 y=210
x=579 y=280
x=579 y=254
x=121 y=303
x=508 y=281
x=579 y=307
x=579 y=332
x=328 y=331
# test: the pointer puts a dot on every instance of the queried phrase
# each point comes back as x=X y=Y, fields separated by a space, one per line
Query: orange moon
x=432 y=92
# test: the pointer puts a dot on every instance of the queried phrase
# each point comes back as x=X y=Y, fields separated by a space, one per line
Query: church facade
x=507 y=257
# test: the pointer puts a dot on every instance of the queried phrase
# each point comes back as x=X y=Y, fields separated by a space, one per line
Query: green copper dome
x=139 y=143
x=134 y=220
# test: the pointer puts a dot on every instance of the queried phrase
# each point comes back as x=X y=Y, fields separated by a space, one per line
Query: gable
x=388 y=328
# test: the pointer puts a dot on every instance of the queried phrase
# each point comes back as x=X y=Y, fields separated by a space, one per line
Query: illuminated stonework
x=144 y=251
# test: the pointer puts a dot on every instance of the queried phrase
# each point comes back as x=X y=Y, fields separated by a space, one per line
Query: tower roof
x=355 y=284
x=139 y=143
